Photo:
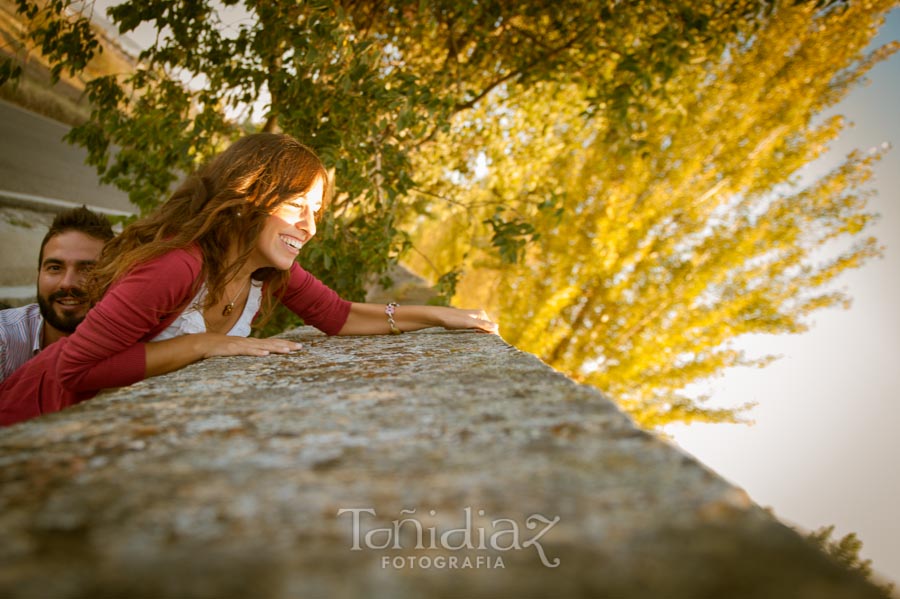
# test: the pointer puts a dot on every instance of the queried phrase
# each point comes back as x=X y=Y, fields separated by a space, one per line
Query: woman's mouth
x=292 y=242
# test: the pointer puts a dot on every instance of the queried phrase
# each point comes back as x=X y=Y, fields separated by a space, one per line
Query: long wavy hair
x=223 y=205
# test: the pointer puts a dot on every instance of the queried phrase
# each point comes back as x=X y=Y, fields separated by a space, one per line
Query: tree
x=601 y=168
x=366 y=84
x=638 y=247
x=845 y=551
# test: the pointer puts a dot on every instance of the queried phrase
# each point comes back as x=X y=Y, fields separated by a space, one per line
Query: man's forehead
x=72 y=246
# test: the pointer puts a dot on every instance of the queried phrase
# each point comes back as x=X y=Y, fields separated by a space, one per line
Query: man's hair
x=78 y=219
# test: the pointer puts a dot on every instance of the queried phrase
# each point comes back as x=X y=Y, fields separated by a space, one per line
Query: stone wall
x=242 y=477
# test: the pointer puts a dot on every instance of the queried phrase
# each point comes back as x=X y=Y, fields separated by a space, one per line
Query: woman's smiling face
x=290 y=226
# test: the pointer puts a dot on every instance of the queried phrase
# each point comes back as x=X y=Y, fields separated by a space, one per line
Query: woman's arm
x=108 y=347
x=322 y=308
x=178 y=352
x=370 y=319
x=111 y=346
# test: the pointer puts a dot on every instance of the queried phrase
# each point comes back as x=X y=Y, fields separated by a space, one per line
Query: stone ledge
x=225 y=479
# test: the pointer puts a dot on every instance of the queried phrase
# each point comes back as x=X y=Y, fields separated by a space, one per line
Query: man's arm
x=4 y=355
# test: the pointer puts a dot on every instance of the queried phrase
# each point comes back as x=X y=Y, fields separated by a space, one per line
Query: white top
x=191 y=320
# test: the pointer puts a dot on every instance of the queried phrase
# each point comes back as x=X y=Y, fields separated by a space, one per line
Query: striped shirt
x=20 y=337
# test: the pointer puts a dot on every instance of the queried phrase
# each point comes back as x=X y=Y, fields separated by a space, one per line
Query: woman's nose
x=307 y=224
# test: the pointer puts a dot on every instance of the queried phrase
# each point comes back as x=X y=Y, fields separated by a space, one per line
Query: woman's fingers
x=485 y=323
x=270 y=346
x=224 y=345
x=474 y=319
x=282 y=346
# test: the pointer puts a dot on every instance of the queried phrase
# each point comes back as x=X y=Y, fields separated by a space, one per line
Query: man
x=69 y=249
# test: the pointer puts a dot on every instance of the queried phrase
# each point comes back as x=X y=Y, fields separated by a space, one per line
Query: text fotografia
x=503 y=534
x=441 y=562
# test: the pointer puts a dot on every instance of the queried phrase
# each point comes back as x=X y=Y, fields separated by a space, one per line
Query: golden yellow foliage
x=661 y=236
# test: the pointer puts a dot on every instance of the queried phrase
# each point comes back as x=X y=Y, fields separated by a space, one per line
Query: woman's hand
x=178 y=352
x=216 y=344
x=456 y=318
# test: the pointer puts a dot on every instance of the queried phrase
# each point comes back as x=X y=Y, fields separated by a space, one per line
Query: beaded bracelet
x=389 y=310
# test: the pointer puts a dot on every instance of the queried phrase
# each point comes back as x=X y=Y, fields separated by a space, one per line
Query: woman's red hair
x=223 y=205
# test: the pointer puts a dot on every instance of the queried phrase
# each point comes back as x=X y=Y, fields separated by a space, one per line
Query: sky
x=824 y=446
x=824 y=442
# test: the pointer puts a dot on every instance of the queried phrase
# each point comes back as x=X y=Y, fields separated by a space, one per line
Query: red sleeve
x=316 y=304
x=34 y=388
x=107 y=348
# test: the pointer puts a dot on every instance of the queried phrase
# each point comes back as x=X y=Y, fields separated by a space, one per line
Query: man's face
x=61 y=297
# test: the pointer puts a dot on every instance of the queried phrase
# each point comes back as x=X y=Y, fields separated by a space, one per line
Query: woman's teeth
x=294 y=243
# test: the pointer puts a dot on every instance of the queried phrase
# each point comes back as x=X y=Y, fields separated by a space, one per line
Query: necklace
x=229 y=307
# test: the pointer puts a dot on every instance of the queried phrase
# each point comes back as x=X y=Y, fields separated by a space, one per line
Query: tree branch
x=517 y=72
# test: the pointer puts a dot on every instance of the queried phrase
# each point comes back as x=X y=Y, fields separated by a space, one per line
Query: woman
x=184 y=283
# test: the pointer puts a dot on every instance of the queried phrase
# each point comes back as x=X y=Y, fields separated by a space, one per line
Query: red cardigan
x=107 y=349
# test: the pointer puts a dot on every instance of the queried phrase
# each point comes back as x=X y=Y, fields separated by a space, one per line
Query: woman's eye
x=304 y=207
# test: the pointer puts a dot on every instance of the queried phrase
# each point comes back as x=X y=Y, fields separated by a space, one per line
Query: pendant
x=227 y=309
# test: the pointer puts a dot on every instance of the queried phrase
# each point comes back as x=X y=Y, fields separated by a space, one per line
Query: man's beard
x=65 y=323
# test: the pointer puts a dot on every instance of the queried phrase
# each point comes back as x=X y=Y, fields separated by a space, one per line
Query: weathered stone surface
x=226 y=480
